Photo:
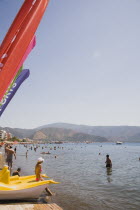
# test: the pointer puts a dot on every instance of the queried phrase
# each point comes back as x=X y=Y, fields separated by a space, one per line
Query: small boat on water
x=119 y=142
x=44 y=153
x=58 y=142
x=21 y=188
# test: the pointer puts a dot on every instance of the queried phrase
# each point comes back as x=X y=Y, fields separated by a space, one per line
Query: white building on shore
x=5 y=135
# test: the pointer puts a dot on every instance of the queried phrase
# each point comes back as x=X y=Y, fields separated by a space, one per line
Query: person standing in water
x=15 y=149
x=38 y=170
x=10 y=153
x=26 y=153
x=108 y=162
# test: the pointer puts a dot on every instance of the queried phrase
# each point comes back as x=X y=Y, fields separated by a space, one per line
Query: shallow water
x=85 y=182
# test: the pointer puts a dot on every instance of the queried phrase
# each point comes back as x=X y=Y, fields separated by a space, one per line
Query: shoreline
x=33 y=204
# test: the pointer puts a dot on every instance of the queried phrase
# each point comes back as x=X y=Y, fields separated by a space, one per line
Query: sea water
x=85 y=183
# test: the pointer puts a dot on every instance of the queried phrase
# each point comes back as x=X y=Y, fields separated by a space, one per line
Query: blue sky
x=85 y=68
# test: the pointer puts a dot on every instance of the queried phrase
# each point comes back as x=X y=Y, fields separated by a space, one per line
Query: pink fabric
x=30 y=47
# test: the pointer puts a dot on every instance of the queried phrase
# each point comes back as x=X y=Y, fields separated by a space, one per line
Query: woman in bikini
x=38 y=170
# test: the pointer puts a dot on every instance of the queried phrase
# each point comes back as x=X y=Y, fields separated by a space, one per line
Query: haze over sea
x=85 y=182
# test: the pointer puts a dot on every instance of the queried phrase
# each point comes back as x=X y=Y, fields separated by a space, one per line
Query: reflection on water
x=86 y=183
x=109 y=173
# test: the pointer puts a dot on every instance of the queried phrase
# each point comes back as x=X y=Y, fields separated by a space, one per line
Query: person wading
x=108 y=162
x=10 y=153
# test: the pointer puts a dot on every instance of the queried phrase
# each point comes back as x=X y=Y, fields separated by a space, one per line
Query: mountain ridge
x=110 y=133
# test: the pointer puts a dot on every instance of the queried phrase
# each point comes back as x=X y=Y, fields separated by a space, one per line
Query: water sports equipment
x=24 y=187
x=17 y=40
x=17 y=44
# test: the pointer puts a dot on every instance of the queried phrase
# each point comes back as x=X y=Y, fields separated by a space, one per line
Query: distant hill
x=72 y=132
x=63 y=134
x=112 y=133
x=54 y=134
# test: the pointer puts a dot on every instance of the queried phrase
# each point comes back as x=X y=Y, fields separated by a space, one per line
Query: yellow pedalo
x=23 y=187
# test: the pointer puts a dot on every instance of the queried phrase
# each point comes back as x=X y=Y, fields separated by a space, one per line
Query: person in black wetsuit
x=108 y=162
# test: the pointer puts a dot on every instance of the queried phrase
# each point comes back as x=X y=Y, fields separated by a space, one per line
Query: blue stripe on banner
x=23 y=75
